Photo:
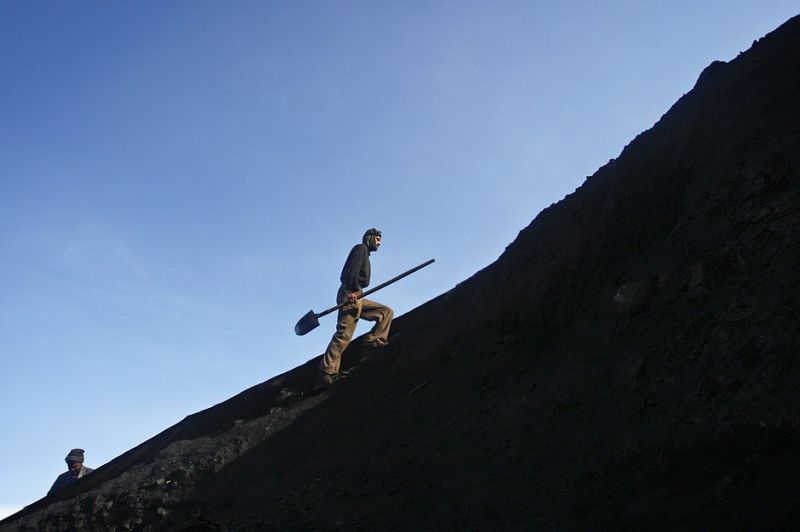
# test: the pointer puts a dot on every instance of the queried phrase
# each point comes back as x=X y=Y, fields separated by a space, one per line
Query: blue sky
x=181 y=181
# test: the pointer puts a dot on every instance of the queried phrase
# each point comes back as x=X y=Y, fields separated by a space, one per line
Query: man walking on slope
x=355 y=277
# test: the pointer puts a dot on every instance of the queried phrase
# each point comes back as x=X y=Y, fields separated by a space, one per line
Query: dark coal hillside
x=631 y=361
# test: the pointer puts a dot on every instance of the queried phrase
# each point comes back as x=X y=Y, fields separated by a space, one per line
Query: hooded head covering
x=370 y=238
x=75 y=455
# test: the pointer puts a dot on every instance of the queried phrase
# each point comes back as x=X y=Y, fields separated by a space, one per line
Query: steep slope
x=631 y=360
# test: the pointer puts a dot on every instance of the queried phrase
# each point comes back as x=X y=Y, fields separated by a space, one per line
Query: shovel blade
x=307 y=323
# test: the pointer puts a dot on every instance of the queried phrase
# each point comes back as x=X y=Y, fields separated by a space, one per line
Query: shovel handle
x=382 y=285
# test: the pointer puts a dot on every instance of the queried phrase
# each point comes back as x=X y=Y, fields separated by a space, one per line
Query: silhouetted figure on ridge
x=75 y=470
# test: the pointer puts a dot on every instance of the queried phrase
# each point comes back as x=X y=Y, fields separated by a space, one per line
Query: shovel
x=310 y=321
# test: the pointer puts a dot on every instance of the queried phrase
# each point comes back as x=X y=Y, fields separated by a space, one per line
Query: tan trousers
x=346 y=326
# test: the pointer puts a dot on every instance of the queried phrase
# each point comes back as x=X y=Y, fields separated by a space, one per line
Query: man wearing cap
x=355 y=277
x=75 y=470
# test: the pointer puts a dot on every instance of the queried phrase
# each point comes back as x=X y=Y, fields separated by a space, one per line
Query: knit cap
x=75 y=455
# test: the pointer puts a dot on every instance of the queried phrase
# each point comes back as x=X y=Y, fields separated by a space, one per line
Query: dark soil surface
x=630 y=362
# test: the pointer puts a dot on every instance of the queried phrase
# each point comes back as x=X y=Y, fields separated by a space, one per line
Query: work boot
x=323 y=380
x=368 y=345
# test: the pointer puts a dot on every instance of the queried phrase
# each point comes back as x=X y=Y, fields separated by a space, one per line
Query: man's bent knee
x=343 y=336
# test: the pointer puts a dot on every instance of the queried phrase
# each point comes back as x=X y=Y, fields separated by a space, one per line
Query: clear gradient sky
x=180 y=181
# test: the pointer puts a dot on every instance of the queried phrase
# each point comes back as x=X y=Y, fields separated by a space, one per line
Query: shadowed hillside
x=631 y=360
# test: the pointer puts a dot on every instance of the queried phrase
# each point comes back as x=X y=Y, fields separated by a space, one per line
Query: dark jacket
x=65 y=479
x=356 y=271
